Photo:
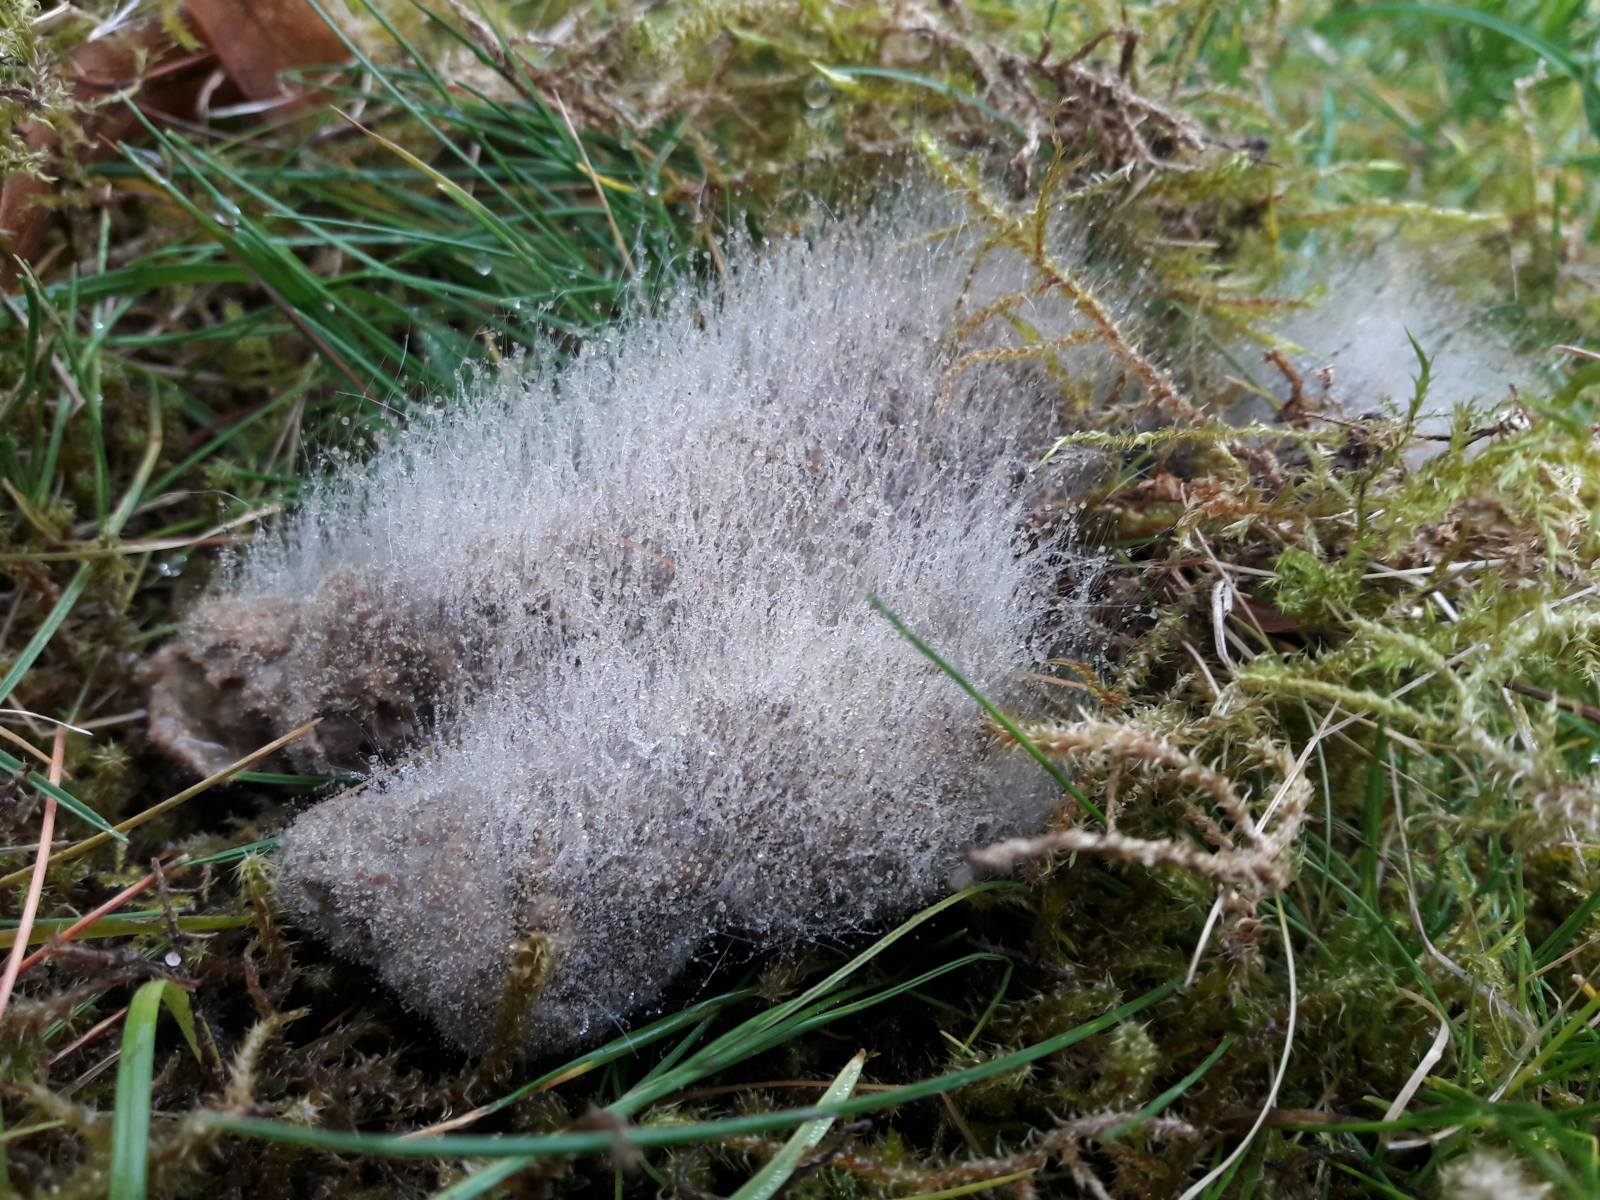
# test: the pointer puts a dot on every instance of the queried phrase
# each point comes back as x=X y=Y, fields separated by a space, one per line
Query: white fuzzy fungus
x=1364 y=305
x=627 y=601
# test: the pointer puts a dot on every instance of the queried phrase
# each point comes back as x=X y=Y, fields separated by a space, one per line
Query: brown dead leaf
x=258 y=40
x=244 y=47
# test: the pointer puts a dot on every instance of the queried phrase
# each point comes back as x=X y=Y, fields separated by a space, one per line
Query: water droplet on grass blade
x=818 y=93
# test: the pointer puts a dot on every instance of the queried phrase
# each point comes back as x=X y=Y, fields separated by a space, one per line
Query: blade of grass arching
x=147 y=464
x=410 y=105
x=264 y=261
x=46 y=469
x=735 y=1045
x=264 y=846
x=288 y=395
x=764 y=1184
x=408 y=238
x=825 y=1012
x=650 y=1136
x=384 y=266
x=675 y=1055
x=130 y=1128
x=1383 y=930
x=1543 y=47
x=1561 y=1071
x=139 y=280
x=832 y=1010
x=479 y=211
x=531 y=173
x=544 y=152
x=42 y=635
x=995 y=714
x=303 y=296
x=612 y=1051
x=999 y=995
x=1579 y=1021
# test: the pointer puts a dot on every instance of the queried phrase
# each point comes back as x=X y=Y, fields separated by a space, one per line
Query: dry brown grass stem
x=88 y=919
x=155 y=810
x=30 y=906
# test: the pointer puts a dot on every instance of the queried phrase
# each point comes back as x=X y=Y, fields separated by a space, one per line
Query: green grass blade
x=966 y=1189
x=30 y=654
x=766 y=1182
x=264 y=846
x=1155 y=1106
x=130 y=1129
x=479 y=211
x=616 y=1049
x=129 y=926
x=754 y=1034
x=1539 y=44
x=648 y=1136
x=147 y=464
x=62 y=797
x=999 y=717
x=480 y=1182
x=1550 y=949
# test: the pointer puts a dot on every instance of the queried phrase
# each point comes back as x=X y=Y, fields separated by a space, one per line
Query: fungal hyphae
x=616 y=616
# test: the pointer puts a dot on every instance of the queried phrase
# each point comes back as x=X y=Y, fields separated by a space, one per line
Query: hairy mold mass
x=626 y=601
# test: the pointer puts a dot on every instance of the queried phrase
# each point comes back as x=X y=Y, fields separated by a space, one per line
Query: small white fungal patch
x=1363 y=307
x=1485 y=1175
x=628 y=601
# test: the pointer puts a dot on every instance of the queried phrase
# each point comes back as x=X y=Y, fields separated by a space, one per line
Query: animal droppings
x=625 y=602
